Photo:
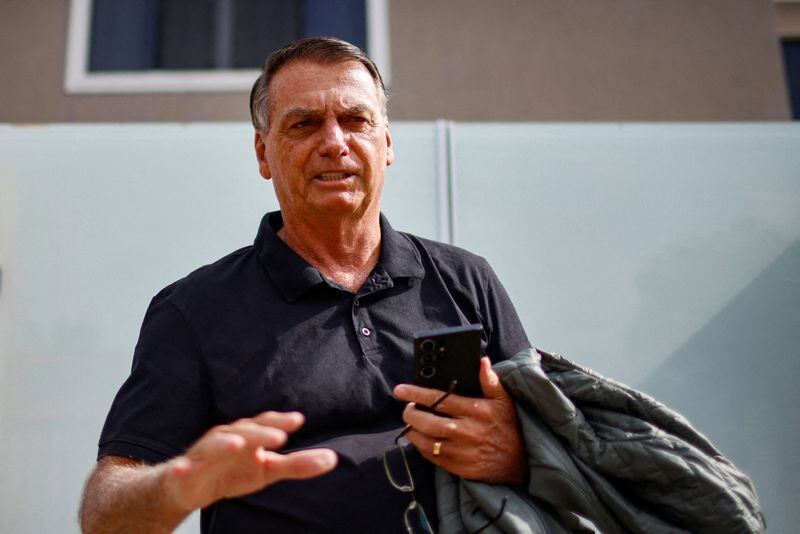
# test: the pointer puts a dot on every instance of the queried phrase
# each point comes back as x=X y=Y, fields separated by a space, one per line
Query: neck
x=344 y=250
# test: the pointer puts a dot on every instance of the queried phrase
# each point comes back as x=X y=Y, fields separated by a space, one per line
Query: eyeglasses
x=399 y=474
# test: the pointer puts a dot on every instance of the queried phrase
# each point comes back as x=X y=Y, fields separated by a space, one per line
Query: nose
x=334 y=140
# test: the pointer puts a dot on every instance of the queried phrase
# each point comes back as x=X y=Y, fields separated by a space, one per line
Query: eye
x=357 y=121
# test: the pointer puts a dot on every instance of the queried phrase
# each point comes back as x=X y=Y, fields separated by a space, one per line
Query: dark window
x=791 y=62
x=212 y=34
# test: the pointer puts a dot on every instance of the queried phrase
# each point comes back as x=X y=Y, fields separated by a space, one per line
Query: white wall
x=666 y=256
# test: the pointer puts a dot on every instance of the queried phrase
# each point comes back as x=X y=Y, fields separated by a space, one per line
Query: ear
x=261 y=156
x=389 y=151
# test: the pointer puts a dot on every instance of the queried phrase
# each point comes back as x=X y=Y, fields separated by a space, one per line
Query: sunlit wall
x=666 y=256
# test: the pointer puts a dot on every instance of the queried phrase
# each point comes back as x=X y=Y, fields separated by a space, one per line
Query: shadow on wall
x=751 y=352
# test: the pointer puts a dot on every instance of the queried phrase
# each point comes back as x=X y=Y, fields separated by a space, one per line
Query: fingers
x=425 y=444
x=455 y=405
x=297 y=465
x=240 y=435
x=435 y=425
x=225 y=446
x=286 y=421
x=490 y=383
x=268 y=430
x=453 y=456
x=238 y=458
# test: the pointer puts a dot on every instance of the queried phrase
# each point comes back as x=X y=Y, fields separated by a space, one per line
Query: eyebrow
x=306 y=112
x=302 y=112
x=358 y=108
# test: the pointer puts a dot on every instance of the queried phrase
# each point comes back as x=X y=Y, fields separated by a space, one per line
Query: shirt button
x=366 y=331
x=356 y=303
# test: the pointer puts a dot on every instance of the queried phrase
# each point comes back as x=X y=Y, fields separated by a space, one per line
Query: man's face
x=328 y=143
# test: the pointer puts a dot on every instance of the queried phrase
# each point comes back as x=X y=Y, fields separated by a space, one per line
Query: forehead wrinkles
x=307 y=85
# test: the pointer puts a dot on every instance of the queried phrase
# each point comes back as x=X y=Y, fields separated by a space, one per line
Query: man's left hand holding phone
x=473 y=438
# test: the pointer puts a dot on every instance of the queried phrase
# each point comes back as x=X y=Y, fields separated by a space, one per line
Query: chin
x=342 y=206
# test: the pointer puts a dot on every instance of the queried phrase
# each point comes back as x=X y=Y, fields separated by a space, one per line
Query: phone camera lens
x=428 y=371
x=426 y=359
x=427 y=345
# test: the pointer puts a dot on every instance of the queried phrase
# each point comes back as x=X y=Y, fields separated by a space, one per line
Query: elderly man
x=290 y=359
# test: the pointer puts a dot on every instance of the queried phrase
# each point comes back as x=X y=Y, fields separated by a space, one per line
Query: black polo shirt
x=261 y=329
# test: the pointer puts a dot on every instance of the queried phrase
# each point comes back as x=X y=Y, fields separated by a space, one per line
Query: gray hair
x=317 y=49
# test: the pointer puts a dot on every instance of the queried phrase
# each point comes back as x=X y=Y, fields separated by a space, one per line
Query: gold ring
x=437 y=448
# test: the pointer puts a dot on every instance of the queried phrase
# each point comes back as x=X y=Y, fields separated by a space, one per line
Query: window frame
x=79 y=80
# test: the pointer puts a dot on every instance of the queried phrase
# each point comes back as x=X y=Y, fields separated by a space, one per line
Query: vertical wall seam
x=443 y=180
x=451 y=181
x=446 y=177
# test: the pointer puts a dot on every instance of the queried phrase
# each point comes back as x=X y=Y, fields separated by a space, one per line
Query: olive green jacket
x=602 y=457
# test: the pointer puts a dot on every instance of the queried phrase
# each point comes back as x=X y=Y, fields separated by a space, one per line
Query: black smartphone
x=446 y=354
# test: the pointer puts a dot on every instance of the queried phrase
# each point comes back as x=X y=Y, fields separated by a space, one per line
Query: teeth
x=325 y=176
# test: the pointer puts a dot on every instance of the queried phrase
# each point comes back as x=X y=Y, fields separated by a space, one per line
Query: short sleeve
x=500 y=319
x=163 y=406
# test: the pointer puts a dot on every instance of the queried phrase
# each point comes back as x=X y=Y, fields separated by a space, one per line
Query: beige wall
x=592 y=60
x=477 y=60
x=787 y=19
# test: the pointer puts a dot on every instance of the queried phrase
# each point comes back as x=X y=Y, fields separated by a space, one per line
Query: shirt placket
x=366 y=334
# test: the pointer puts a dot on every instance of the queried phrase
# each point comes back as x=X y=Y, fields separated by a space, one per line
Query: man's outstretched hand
x=124 y=495
x=481 y=438
x=239 y=458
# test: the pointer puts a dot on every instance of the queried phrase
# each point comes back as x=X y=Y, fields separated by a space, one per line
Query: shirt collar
x=293 y=275
x=399 y=257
